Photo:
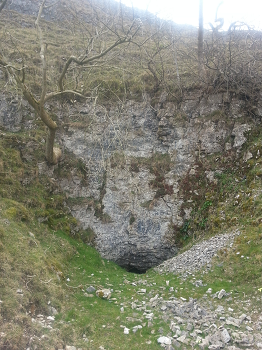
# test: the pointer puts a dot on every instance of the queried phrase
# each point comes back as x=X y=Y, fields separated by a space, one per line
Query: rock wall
x=136 y=154
x=137 y=204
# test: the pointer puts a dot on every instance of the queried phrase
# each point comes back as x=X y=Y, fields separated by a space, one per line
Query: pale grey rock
x=225 y=337
x=236 y=321
x=136 y=328
x=183 y=339
x=221 y=294
x=90 y=289
x=242 y=318
x=220 y=309
x=242 y=339
x=216 y=346
x=103 y=293
x=238 y=132
x=50 y=318
x=248 y=155
x=164 y=340
x=126 y=330
x=52 y=310
x=68 y=347
x=189 y=327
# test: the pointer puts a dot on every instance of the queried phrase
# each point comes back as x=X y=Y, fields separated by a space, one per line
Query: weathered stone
x=164 y=340
x=221 y=294
x=90 y=289
x=103 y=293
x=183 y=339
x=225 y=337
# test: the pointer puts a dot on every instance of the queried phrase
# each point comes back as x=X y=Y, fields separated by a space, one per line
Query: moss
x=17 y=212
x=118 y=160
x=132 y=220
x=146 y=204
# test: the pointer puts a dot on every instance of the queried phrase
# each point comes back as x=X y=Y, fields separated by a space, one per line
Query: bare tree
x=124 y=35
x=220 y=20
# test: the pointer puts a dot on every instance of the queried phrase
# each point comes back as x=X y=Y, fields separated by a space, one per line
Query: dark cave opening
x=135 y=270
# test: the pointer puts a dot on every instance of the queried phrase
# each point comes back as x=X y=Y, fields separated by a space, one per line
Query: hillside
x=156 y=199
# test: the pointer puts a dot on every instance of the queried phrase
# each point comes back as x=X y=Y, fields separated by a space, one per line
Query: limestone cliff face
x=136 y=155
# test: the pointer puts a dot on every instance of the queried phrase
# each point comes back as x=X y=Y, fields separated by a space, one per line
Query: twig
x=47 y=281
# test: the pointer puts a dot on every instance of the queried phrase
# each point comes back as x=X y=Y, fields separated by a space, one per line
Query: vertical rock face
x=136 y=157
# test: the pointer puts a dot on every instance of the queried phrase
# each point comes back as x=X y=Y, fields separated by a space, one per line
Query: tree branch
x=88 y=60
x=42 y=54
x=61 y=93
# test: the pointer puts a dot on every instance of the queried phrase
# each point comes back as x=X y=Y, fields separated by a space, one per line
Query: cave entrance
x=134 y=269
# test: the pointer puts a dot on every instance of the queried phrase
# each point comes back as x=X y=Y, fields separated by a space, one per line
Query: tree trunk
x=50 y=146
x=2 y=4
x=200 y=42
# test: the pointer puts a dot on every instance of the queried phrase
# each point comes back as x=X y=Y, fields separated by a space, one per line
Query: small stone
x=183 y=339
x=233 y=321
x=220 y=309
x=217 y=346
x=176 y=344
x=164 y=340
x=225 y=337
x=68 y=347
x=126 y=330
x=221 y=294
x=205 y=343
x=154 y=299
x=135 y=329
x=19 y=291
x=103 y=293
x=161 y=330
x=142 y=291
x=122 y=309
x=52 y=310
x=242 y=317
x=50 y=318
x=249 y=329
x=91 y=289
x=189 y=327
